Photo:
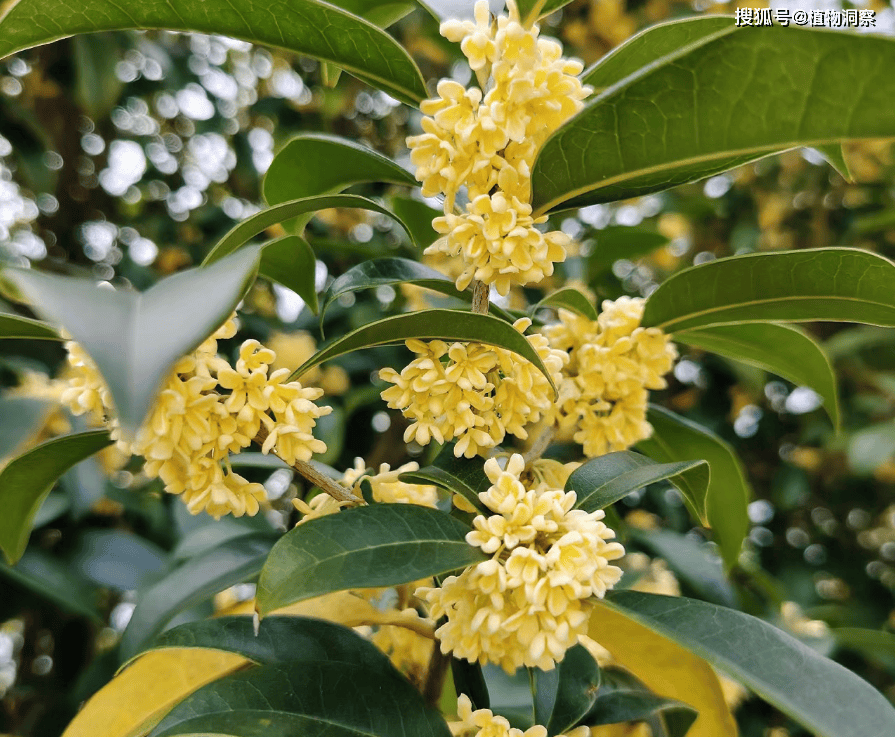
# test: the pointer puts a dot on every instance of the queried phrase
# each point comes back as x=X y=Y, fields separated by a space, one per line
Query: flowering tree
x=501 y=549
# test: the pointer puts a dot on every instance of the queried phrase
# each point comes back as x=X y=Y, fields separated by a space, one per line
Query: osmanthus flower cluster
x=485 y=140
x=613 y=362
x=484 y=723
x=206 y=411
x=473 y=393
x=529 y=603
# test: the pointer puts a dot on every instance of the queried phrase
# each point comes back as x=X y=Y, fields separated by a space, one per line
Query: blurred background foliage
x=125 y=156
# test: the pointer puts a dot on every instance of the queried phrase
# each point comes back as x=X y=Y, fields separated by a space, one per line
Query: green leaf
x=694 y=564
x=308 y=27
x=13 y=326
x=27 y=480
x=469 y=680
x=97 y=88
x=20 y=420
x=315 y=164
x=197 y=580
x=278 y=640
x=729 y=98
x=291 y=262
x=824 y=697
x=418 y=216
x=382 y=13
x=835 y=157
x=49 y=577
x=313 y=699
x=617 y=242
x=564 y=695
x=875 y=645
x=570 y=299
x=531 y=10
x=136 y=338
x=464 y=476
x=649 y=46
x=260 y=221
x=837 y=284
x=779 y=349
x=117 y=559
x=677 y=439
x=380 y=545
x=603 y=481
x=623 y=698
x=435 y=324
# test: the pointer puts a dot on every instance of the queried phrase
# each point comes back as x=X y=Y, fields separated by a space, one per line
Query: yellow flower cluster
x=194 y=426
x=486 y=140
x=528 y=604
x=483 y=723
x=472 y=393
x=613 y=362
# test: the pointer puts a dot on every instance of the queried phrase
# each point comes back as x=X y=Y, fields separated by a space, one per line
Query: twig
x=333 y=488
x=480 y=297
x=539 y=445
x=436 y=675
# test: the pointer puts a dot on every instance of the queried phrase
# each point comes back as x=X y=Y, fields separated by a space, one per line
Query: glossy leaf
x=531 y=10
x=729 y=98
x=27 y=480
x=649 y=46
x=835 y=157
x=308 y=27
x=327 y=164
x=618 y=241
x=117 y=559
x=279 y=640
x=197 y=580
x=568 y=298
x=20 y=419
x=435 y=324
x=665 y=667
x=623 y=698
x=464 y=476
x=837 y=284
x=260 y=221
x=135 y=338
x=52 y=578
x=564 y=695
x=779 y=349
x=821 y=695
x=291 y=262
x=138 y=697
x=418 y=217
x=382 y=14
x=13 y=326
x=379 y=545
x=469 y=680
x=676 y=439
x=604 y=480
x=695 y=564
x=336 y=699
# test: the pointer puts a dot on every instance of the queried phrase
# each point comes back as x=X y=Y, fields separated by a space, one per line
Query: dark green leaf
x=435 y=324
x=197 y=580
x=617 y=242
x=51 y=578
x=838 y=284
x=315 y=164
x=20 y=420
x=603 y=481
x=418 y=216
x=117 y=559
x=136 y=338
x=382 y=13
x=308 y=27
x=13 y=326
x=291 y=262
x=464 y=476
x=564 y=695
x=695 y=565
x=252 y=226
x=469 y=680
x=623 y=698
x=27 y=480
x=779 y=349
x=649 y=46
x=570 y=299
x=821 y=695
x=875 y=645
x=677 y=439
x=835 y=157
x=381 y=545
x=312 y=699
x=731 y=97
x=279 y=640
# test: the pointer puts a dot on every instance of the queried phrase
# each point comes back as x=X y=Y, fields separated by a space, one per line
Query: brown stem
x=436 y=675
x=333 y=488
x=480 y=297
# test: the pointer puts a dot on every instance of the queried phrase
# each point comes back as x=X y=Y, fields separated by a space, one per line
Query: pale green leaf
x=568 y=298
x=13 y=326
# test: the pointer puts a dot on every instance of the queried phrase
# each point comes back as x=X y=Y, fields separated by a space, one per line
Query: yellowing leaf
x=666 y=668
x=136 y=699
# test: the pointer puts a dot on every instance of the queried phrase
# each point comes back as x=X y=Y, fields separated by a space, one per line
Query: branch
x=480 y=297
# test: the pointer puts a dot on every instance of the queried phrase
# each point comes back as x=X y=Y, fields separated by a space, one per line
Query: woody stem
x=539 y=445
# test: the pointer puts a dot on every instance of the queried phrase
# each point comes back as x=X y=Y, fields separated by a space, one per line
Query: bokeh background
x=125 y=156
